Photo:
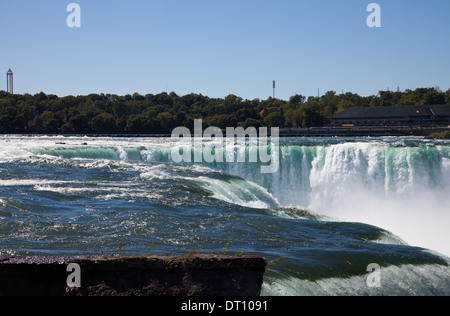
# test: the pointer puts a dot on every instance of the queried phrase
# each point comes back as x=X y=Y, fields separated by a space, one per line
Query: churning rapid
x=333 y=207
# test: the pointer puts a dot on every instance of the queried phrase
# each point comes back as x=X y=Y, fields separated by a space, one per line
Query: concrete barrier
x=196 y=275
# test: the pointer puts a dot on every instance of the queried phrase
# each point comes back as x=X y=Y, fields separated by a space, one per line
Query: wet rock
x=199 y=275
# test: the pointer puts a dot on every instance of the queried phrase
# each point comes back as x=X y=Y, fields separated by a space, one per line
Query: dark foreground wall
x=199 y=275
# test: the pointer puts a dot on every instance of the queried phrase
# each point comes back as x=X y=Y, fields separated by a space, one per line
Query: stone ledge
x=193 y=275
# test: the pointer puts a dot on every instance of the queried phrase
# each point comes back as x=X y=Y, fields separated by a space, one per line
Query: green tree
x=309 y=115
x=104 y=123
x=7 y=119
x=433 y=97
x=243 y=114
x=274 y=119
x=232 y=103
x=410 y=98
x=76 y=123
x=344 y=105
x=250 y=122
x=119 y=109
x=47 y=123
x=297 y=99
x=223 y=121
x=167 y=122
x=386 y=98
x=289 y=119
x=135 y=124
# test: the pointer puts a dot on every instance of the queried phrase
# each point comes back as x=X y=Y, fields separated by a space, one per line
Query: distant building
x=10 y=82
x=393 y=116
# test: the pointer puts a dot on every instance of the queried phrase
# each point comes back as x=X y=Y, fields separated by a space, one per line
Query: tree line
x=161 y=113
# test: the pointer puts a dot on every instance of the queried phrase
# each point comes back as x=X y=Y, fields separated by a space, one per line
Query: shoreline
x=289 y=133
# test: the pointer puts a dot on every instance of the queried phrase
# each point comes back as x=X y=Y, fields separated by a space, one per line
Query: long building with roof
x=393 y=116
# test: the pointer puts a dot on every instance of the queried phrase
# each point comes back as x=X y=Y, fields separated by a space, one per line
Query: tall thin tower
x=10 y=82
x=274 y=86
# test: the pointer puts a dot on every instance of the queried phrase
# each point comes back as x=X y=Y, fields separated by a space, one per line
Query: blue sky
x=217 y=47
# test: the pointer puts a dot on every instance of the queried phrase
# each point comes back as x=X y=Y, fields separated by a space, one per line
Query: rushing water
x=334 y=207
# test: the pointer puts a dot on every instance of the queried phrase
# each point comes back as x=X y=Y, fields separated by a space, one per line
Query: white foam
x=33 y=182
x=383 y=183
x=240 y=192
x=403 y=190
x=405 y=280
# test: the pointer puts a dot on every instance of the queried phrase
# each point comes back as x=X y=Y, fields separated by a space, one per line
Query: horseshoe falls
x=334 y=207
